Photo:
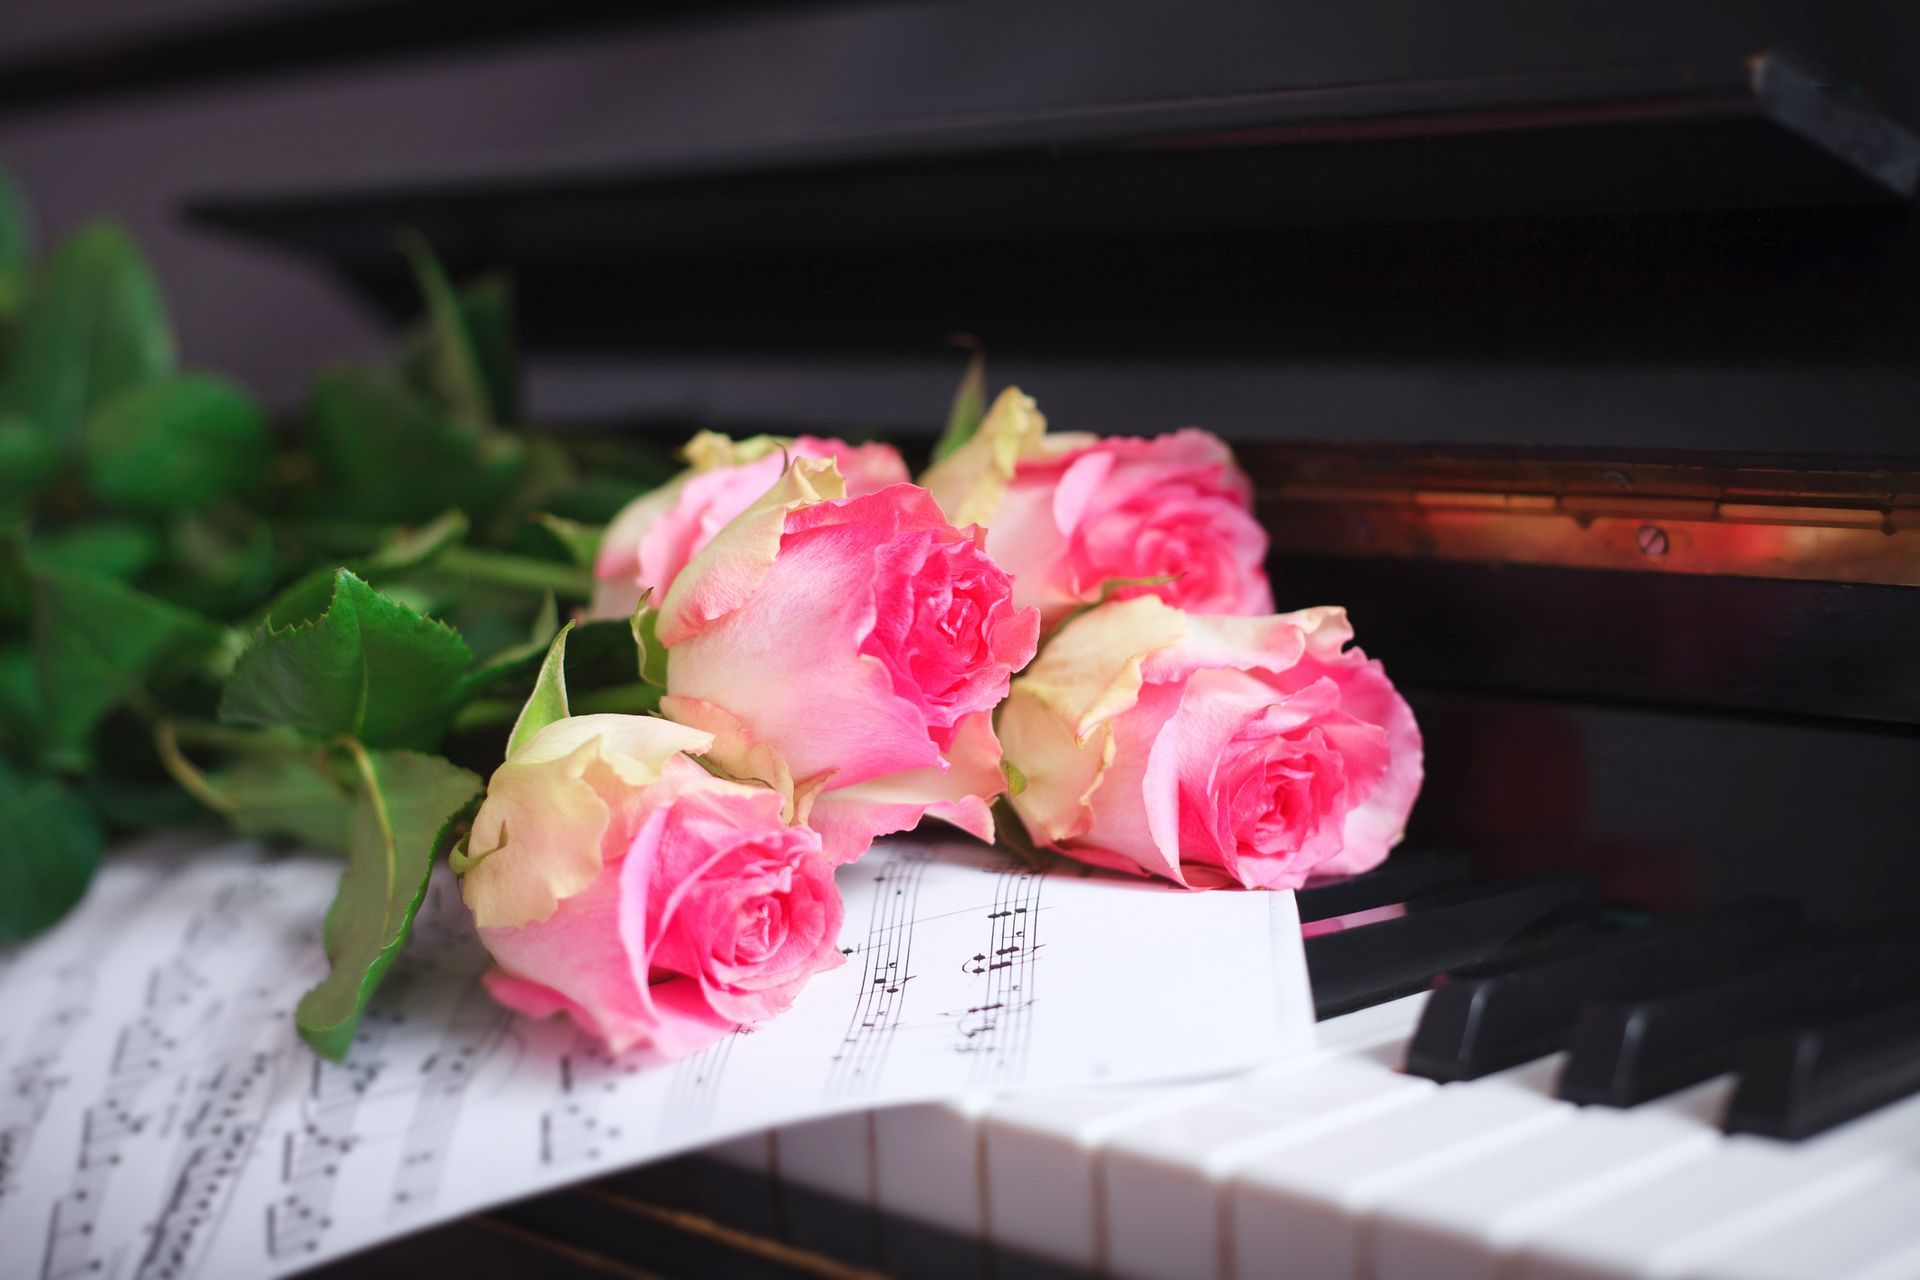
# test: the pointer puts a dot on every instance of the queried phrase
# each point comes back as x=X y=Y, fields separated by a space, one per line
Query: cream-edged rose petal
x=725 y=573
x=968 y=482
x=1093 y=669
x=958 y=790
x=538 y=836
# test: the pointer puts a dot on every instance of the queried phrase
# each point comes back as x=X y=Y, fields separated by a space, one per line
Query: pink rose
x=654 y=536
x=616 y=880
x=1073 y=516
x=849 y=651
x=1212 y=750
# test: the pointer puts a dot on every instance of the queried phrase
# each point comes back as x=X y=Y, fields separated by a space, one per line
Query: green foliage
x=93 y=325
x=16 y=249
x=97 y=642
x=200 y=611
x=387 y=452
x=52 y=847
x=294 y=794
x=400 y=815
x=176 y=444
x=368 y=667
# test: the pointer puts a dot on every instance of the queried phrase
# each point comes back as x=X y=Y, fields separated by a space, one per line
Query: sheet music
x=161 y=1121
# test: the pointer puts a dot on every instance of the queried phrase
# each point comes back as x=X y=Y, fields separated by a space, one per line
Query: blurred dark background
x=1612 y=235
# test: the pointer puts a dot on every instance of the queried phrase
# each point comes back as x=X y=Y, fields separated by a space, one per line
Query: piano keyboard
x=1435 y=1131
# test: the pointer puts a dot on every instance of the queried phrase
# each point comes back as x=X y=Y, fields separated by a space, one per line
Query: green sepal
x=968 y=410
x=94 y=324
x=52 y=847
x=404 y=807
x=368 y=667
x=548 y=701
x=580 y=541
x=96 y=642
x=646 y=638
x=176 y=444
x=1016 y=780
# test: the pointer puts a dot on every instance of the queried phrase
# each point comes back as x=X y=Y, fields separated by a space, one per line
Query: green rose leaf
x=27 y=458
x=368 y=666
x=96 y=641
x=176 y=444
x=404 y=806
x=94 y=324
x=462 y=351
x=390 y=453
x=968 y=410
x=114 y=548
x=52 y=847
x=275 y=793
x=548 y=701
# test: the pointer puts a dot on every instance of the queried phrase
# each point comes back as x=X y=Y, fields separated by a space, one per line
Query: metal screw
x=1652 y=539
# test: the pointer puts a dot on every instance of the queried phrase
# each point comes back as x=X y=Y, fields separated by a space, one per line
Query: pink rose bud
x=1210 y=750
x=616 y=880
x=849 y=651
x=650 y=541
x=1076 y=518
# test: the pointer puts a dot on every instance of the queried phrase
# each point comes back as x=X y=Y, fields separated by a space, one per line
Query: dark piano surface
x=1572 y=347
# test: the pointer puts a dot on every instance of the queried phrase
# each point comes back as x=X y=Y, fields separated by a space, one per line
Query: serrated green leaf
x=96 y=641
x=176 y=444
x=52 y=847
x=278 y=793
x=389 y=453
x=548 y=701
x=368 y=666
x=94 y=325
x=404 y=804
x=968 y=410
x=404 y=550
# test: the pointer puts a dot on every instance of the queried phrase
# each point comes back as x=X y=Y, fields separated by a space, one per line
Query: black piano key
x=1405 y=875
x=1625 y=1052
x=1805 y=1081
x=1352 y=968
x=1493 y=1015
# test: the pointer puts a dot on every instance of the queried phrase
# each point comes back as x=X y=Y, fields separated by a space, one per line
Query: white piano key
x=927 y=1163
x=1862 y=1236
x=1044 y=1147
x=1300 y=1208
x=834 y=1155
x=1741 y=1189
x=1163 y=1179
x=1042 y=1153
x=752 y=1152
x=1462 y=1222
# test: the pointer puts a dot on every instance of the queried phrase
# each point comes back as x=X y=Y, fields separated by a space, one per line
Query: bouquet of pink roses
x=333 y=634
x=835 y=645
